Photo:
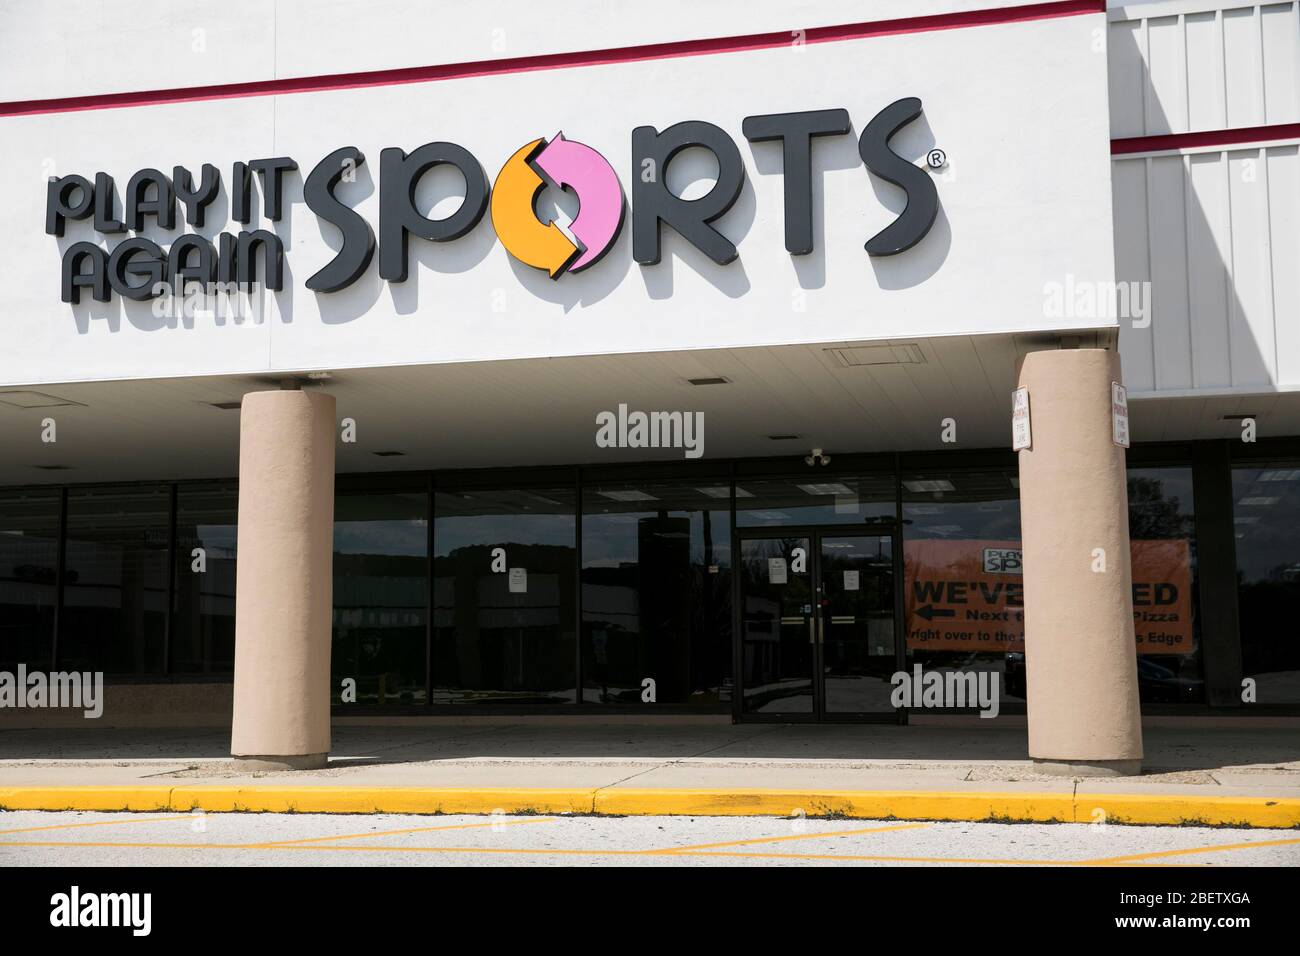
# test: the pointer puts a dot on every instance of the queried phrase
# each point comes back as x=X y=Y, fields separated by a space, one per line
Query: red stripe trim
x=1217 y=137
x=558 y=61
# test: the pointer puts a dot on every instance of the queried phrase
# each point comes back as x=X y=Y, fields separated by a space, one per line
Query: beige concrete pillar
x=284 y=580
x=1080 y=654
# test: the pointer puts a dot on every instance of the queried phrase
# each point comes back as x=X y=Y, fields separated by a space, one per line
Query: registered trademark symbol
x=936 y=158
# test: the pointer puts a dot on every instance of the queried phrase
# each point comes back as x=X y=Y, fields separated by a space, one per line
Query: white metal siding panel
x=1217 y=234
x=1192 y=65
x=1250 y=319
x=1129 y=181
x=1283 y=168
x=1127 y=70
x=1208 y=289
x=1166 y=105
x=1280 y=26
x=1171 y=332
x=1205 y=71
x=1244 y=80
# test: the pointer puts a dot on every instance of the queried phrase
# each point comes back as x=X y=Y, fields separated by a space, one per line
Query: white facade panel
x=1182 y=66
x=1024 y=200
x=133 y=45
x=1220 y=229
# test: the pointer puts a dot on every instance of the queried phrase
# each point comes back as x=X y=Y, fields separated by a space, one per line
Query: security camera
x=817 y=458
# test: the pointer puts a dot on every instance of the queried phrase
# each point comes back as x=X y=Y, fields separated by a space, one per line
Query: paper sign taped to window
x=776 y=570
x=518 y=580
x=850 y=580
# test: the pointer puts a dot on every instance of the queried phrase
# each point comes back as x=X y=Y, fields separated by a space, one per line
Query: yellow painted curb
x=85 y=798
x=379 y=800
x=1265 y=812
x=1019 y=806
x=856 y=804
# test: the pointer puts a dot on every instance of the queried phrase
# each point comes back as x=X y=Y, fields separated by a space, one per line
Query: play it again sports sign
x=139 y=268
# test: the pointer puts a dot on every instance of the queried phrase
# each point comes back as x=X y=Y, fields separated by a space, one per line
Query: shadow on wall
x=1200 y=234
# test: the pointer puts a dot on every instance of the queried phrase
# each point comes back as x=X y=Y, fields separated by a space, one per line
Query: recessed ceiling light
x=716 y=491
x=722 y=491
x=628 y=495
x=929 y=484
x=225 y=406
x=25 y=398
x=877 y=355
x=826 y=488
x=714 y=380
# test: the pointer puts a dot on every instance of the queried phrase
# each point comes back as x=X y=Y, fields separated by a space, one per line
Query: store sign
x=138 y=268
x=969 y=595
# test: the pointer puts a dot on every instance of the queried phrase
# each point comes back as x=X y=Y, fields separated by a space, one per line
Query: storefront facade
x=723 y=428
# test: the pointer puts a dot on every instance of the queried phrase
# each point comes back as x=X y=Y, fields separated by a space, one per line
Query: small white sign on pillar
x=1021 y=436
x=1119 y=414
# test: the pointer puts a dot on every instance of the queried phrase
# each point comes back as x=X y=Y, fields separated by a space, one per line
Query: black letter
x=196 y=201
x=399 y=175
x=922 y=199
x=205 y=271
x=73 y=278
x=358 y=239
x=653 y=203
x=104 y=193
x=57 y=209
x=162 y=207
x=795 y=131
x=121 y=265
x=238 y=260
x=270 y=170
x=240 y=182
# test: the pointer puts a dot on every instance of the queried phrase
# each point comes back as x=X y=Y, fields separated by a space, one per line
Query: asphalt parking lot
x=31 y=838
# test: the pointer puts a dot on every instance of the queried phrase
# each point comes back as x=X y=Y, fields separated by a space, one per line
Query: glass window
x=505 y=602
x=380 y=596
x=961 y=552
x=29 y=557
x=1266 y=516
x=203 y=617
x=1162 y=542
x=115 y=580
x=814 y=499
x=656 y=594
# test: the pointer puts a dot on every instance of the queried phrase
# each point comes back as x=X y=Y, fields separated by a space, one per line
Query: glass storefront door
x=817 y=624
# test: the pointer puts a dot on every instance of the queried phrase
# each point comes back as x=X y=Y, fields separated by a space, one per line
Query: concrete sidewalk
x=1243 y=774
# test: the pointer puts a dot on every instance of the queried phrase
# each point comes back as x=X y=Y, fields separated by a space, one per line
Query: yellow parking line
x=695 y=850
x=857 y=858
x=797 y=836
x=374 y=833
x=524 y=851
x=96 y=823
x=295 y=846
x=1113 y=860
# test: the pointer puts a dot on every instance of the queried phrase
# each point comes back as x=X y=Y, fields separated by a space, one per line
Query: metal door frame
x=814 y=534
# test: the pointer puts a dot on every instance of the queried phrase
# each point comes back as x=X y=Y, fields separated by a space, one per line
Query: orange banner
x=969 y=596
